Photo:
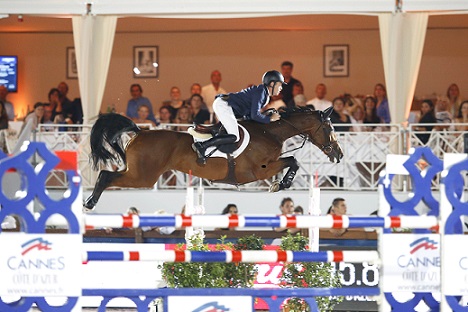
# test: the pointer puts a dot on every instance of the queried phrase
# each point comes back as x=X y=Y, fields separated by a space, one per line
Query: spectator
x=319 y=102
x=214 y=88
x=130 y=211
x=143 y=113
x=199 y=114
x=462 y=117
x=3 y=116
x=136 y=101
x=299 y=210
x=47 y=120
x=453 y=95
x=65 y=103
x=297 y=89
x=165 y=117
x=55 y=105
x=338 y=208
x=442 y=114
x=184 y=116
x=287 y=208
x=287 y=94
x=370 y=112
x=230 y=209
x=165 y=230
x=8 y=105
x=338 y=115
x=195 y=89
x=35 y=117
x=175 y=102
x=382 y=109
x=357 y=117
x=427 y=117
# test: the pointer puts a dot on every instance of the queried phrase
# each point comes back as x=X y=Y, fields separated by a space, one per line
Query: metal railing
x=364 y=156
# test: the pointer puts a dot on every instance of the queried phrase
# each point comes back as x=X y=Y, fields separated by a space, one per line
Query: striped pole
x=239 y=221
x=228 y=256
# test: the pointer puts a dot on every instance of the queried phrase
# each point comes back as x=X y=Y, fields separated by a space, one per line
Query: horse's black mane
x=287 y=111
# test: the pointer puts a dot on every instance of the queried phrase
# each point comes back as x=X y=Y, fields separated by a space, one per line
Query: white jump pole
x=314 y=210
x=189 y=209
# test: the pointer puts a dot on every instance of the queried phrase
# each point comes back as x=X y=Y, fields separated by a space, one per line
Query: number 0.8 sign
x=358 y=274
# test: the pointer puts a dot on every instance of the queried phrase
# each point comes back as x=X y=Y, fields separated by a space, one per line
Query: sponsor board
x=455 y=265
x=411 y=263
x=209 y=304
x=34 y=265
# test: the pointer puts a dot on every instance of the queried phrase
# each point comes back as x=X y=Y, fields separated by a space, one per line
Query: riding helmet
x=272 y=76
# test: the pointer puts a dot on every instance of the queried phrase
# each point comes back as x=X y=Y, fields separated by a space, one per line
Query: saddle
x=205 y=132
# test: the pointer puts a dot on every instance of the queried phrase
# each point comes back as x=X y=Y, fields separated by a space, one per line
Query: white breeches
x=226 y=116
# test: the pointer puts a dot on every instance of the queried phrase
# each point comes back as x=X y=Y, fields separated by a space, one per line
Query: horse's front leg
x=291 y=163
x=104 y=179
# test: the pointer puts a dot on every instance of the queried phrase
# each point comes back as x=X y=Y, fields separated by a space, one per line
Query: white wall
x=242 y=57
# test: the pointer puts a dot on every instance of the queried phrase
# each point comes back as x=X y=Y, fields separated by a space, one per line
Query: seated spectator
x=195 y=89
x=382 y=109
x=175 y=101
x=3 y=116
x=287 y=208
x=370 y=111
x=164 y=115
x=338 y=115
x=230 y=209
x=8 y=105
x=143 y=113
x=184 y=116
x=55 y=105
x=199 y=114
x=35 y=117
x=462 y=117
x=442 y=114
x=299 y=210
x=47 y=120
x=338 y=208
x=136 y=101
x=427 y=117
x=297 y=89
x=319 y=102
x=300 y=100
x=357 y=117
x=454 y=98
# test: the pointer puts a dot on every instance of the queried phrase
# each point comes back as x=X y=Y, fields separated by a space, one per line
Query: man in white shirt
x=319 y=102
x=210 y=91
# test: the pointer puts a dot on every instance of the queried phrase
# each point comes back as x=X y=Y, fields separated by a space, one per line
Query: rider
x=248 y=104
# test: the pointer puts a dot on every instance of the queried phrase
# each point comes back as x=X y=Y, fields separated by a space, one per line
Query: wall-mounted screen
x=9 y=72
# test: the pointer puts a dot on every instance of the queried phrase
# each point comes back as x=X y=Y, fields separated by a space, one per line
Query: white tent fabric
x=94 y=38
x=402 y=39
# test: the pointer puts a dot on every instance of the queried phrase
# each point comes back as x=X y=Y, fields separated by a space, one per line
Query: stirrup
x=201 y=156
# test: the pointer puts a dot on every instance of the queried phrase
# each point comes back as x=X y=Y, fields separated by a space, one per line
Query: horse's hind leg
x=104 y=179
x=291 y=163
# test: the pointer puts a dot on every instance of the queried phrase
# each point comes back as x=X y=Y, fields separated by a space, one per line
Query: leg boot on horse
x=200 y=147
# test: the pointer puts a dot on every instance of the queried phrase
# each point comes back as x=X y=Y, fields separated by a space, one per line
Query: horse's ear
x=327 y=112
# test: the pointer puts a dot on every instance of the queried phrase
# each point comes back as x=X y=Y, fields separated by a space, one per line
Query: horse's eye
x=328 y=149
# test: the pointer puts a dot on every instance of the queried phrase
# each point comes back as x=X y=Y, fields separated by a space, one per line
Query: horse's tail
x=107 y=131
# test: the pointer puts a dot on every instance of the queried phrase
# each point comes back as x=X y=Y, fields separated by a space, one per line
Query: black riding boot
x=200 y=147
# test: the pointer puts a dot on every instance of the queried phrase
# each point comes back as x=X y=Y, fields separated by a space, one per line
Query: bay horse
x=150 y=153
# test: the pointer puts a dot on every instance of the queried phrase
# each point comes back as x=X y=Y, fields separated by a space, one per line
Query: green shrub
x=307 y=274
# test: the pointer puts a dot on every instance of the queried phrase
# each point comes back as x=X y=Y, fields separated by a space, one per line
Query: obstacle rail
x=228 y=256
x=38 y=247
x=239 y=221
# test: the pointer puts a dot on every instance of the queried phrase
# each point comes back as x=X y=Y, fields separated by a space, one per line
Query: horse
x=150 y=153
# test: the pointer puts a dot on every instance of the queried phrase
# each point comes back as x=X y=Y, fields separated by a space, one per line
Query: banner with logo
x=455 y=265
x=40 y=264
x=209 y=303
x=411 y=262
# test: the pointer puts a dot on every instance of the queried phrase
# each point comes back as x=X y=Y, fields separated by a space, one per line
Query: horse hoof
x=275 y=187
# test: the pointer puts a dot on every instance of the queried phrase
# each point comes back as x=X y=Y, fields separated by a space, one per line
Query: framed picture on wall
x=72 y=70
x=145 y=62
x=336 y=60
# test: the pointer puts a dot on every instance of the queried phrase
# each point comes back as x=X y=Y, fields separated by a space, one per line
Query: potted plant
x=307 y=274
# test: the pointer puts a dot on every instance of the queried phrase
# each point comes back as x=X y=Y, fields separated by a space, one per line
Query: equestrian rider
x=246 y=104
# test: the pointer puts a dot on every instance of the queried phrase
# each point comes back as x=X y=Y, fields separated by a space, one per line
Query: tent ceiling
x=287 y=23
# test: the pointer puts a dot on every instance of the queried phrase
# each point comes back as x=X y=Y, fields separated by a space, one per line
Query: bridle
x=326 y=149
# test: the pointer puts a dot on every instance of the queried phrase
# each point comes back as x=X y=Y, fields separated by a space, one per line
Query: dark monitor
x=9 y=72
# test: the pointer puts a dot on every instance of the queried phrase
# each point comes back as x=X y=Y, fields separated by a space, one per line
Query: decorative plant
x=213 y=275
x=307 y=274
